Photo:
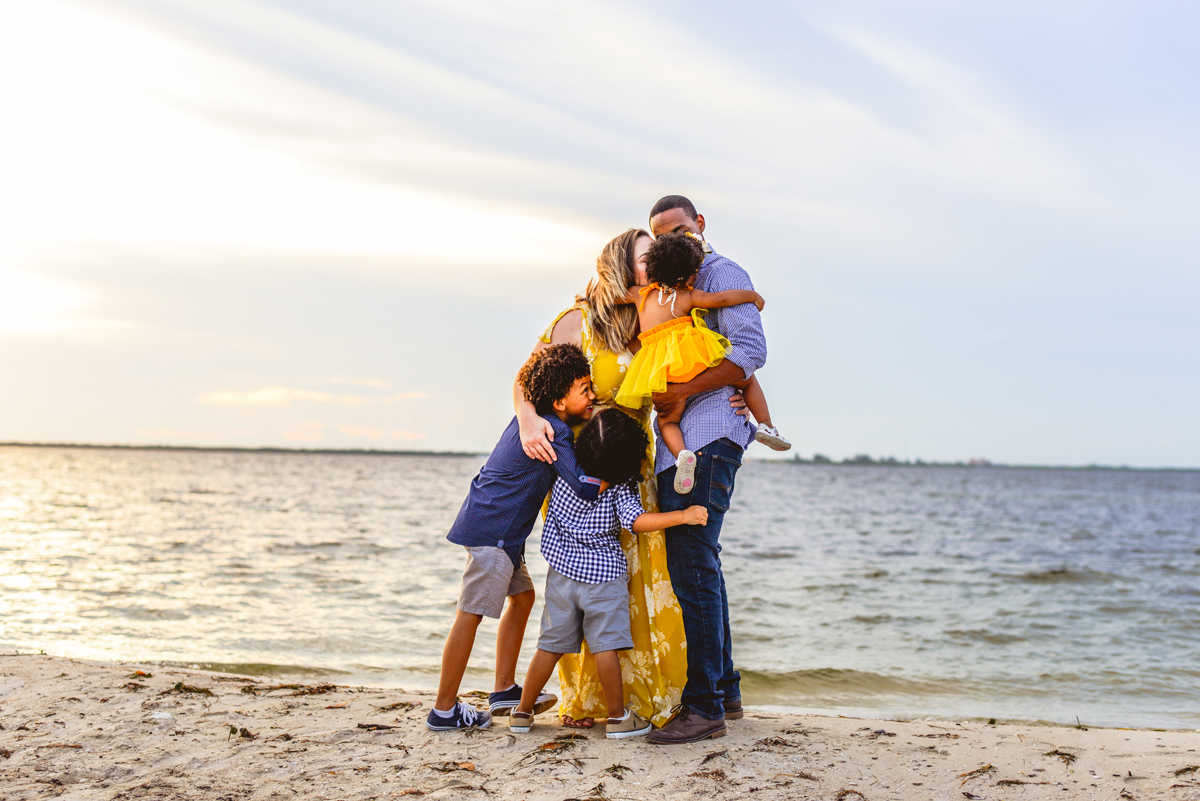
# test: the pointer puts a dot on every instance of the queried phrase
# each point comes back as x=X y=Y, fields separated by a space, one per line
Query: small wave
x=829 y=683
x=1061 y=575
x=983 y=635
x=258 y=669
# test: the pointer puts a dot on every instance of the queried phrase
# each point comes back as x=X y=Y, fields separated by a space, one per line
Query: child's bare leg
x=455 y=656
x=756 y=400
x=540 y=668
x=608 y=667
x=509 y=636
x=672 y=436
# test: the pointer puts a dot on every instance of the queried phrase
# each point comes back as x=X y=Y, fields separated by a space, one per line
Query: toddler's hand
x=695 y=516
x=759 y=301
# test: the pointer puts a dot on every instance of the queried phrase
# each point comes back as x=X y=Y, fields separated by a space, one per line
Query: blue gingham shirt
x=508 y=493
x=582 y=539
x=708 y=417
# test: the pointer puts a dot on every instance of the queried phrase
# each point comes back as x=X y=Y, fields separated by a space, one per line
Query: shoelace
x=470 y=714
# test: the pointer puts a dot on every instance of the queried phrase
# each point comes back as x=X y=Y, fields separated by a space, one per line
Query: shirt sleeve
x=628 y=505
x=742 y=324
x=585 y=486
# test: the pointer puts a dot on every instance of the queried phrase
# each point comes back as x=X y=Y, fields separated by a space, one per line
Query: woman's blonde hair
x=612 y=322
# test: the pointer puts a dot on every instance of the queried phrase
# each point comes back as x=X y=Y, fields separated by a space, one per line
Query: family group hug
x=636 y=616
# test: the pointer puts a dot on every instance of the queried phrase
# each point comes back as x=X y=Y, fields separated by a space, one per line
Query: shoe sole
x=685 y=471
x=618 y=735
x=505 y=709
x=519 y=729
x=456 y=728
x=774 y=443
x=734 y=714
x=711 y=735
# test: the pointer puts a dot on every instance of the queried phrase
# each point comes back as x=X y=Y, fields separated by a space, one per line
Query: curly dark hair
x=611 y=447
x=548 y=375
x=674 y=259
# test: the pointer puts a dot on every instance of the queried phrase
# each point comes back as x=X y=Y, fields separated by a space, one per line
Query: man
x=718 y=435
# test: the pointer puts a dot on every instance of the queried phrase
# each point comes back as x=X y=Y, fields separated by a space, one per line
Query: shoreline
x=82 y=729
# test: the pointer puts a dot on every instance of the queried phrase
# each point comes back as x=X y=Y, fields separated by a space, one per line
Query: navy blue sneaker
x=503 y=703
x=464 y=717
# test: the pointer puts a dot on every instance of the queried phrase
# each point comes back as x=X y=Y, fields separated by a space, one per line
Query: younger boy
x=587 y=593
x=493 y=523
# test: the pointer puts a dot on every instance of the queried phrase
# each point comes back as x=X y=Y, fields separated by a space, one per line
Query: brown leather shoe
x=687 y=727
x=733 y=710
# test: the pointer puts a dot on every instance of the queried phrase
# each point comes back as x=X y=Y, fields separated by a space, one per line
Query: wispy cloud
x=351 y=431
x=283 y=396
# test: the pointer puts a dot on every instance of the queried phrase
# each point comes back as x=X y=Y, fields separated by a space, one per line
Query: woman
x=655 y=670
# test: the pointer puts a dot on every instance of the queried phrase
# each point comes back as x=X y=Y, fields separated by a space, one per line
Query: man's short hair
x=549 y=375
x=611 y=446
x=673 y=202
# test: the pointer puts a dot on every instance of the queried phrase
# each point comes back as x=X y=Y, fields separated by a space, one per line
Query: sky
x=343 y=223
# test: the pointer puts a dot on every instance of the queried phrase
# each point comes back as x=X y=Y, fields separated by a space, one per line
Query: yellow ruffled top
x=673 y=352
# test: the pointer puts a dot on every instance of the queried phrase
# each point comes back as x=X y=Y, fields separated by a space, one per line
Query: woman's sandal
x=582 y=723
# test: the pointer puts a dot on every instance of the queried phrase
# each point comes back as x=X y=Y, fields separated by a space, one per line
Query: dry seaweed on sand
x=300 y=689
x=1016 y=783
x=842 y=795
x=409 y=791
x=978 y=773
x=242 y=733
x=402 y=706
x=449 y=767
x=1187 y=770
x=58 y=745
x=1066 y=758
x=619 y=771
x=139 y=674
x=801 y=730
x=593 y=794
x=716 y=774
x=558 y=745
x=711 y=755
x=801 y=775
x=5 y=753
x=773 y=744
x=374 y=726
x=181 y=688
x=946 y=735
x=133 y=687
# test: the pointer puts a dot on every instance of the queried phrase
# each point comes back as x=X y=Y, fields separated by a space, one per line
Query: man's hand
x=759 y=301
x=695 y=516
x=536 y=436
x=672 y=401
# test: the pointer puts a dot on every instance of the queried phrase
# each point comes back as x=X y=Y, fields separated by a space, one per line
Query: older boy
x=493 y=523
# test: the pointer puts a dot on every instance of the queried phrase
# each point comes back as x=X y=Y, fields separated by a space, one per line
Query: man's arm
x=723 y=375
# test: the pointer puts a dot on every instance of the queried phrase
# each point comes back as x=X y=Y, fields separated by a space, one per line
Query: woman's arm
x=722 y=300
x=657 y=521
x=537 y=436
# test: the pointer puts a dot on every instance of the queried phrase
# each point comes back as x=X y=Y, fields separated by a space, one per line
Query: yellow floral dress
x=655 y=669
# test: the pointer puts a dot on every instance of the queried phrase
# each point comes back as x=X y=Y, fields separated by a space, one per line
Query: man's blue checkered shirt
x=708 y=417
x=582 y=539
x=508 y=493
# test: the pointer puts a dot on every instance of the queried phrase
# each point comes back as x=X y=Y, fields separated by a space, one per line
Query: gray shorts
x=490 y=578
x=598 y=613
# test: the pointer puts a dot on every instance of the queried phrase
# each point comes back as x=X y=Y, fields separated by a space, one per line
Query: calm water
x=1016 y=594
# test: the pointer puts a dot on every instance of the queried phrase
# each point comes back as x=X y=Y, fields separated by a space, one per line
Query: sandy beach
x=77 y=729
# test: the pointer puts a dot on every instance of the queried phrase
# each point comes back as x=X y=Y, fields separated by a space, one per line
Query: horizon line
x=796 y=459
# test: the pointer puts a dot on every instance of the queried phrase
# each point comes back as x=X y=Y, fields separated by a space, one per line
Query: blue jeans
x=694 y=562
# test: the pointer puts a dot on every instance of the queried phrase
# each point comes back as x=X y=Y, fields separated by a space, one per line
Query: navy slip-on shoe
x=502 y=703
